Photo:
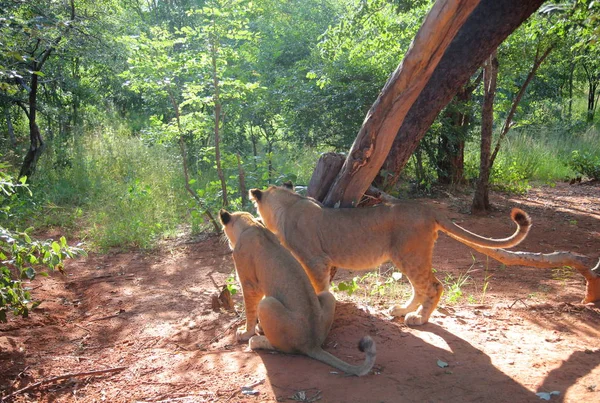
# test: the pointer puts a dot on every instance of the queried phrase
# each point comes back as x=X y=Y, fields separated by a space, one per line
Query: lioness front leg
x=251 y=300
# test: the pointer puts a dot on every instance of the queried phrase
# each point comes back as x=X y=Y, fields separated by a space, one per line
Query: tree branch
x=509 y=118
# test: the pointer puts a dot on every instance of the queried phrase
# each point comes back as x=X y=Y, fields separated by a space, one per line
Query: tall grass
x=533 y=154
x=116 y=190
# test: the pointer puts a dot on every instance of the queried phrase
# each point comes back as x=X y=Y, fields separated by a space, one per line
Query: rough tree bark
x=324 y=174
x=487 y=26
x=593 y=81
x=383 y=120
x=242 y=180
x=490 y=74
x=36 y=143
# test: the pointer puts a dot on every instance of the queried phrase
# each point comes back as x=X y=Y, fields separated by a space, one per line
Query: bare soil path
x=523 y=333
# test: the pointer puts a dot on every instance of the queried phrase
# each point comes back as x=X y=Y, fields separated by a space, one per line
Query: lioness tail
x=520 y=217
x=366 y=344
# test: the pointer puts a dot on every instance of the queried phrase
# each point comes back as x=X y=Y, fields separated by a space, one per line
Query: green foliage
x=454 y=286
x=510 y=176
x=123 y=192
x=23 y=258
x=372 y=284
x=585 y=164
x=232 y=283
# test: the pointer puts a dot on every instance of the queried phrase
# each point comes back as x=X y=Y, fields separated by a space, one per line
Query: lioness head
x=271 y=200
x=235 y=223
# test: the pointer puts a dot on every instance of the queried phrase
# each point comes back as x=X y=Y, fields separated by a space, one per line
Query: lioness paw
x=244 y=335
x=260 y=343
x=398 y=311
x=414 y=319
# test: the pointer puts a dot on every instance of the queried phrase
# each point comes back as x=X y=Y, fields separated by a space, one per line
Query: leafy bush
x=22 y=258
x=585 y=164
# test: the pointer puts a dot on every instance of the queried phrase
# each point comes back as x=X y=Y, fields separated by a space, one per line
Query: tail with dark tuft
x=366 y=345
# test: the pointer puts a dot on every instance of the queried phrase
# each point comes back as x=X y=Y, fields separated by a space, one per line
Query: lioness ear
x=224 y=216
x=256 y=194
x=288 y=185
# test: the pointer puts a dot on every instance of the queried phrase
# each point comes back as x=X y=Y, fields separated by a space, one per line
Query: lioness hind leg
x=429 y=296
x=277 y=323
x=411 y=306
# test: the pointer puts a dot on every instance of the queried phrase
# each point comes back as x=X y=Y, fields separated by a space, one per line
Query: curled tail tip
x=367 y=345
x=520 y=217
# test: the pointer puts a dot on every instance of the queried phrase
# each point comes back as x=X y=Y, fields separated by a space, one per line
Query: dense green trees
x=225 y=87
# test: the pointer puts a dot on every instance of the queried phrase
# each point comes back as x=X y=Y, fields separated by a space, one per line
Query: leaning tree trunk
x=490 y=74
x=385 y=117
x=487 y=26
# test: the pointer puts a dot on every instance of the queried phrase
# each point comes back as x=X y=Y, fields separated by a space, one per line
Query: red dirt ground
x=150 y=313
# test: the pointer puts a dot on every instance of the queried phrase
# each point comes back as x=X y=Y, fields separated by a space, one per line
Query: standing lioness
x=293 y=318
x=363 y=238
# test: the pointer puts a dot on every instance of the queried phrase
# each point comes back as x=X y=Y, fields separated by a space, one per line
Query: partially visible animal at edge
x=363 y=238
x=278 y=294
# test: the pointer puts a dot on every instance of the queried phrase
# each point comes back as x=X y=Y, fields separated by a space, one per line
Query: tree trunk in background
x=217 y=101
x=242 y=179
x=451 y=152
x=481 y=201
x=487 y=26
x=36 y=143
x=591 y=109
x=593 y=81
x=385 y=117
x=10 y=128
x=570 y=107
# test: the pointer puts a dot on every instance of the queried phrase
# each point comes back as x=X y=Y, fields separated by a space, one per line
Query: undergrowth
x=117 y=191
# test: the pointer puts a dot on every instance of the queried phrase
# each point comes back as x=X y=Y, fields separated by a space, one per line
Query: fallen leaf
x=442 y=364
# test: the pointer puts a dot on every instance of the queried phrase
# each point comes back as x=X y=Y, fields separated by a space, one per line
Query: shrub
x=585 y=164
x=22 y=258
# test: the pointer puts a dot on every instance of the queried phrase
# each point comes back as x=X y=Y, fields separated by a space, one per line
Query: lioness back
x=363 y=238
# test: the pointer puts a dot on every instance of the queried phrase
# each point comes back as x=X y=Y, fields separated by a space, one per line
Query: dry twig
x=58 y=378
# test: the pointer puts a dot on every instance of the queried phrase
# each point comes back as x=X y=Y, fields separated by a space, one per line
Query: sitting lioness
x=293 y=318
x=363 y=238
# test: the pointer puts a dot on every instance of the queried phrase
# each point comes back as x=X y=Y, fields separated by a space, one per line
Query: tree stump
x=324 y=174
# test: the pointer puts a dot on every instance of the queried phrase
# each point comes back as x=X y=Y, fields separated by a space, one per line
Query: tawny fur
x=363 y=238
x=277 y=293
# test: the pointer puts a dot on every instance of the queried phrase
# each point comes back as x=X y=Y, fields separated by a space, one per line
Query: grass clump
x=122 y=192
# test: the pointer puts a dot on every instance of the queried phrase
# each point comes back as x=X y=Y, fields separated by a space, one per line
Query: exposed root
x=583 y=264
